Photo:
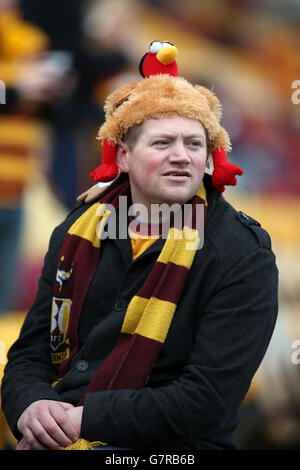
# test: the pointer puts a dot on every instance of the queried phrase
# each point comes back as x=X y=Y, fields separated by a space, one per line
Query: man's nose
x=179 y=153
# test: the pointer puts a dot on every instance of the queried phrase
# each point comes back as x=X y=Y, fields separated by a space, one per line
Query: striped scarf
x=150 y=311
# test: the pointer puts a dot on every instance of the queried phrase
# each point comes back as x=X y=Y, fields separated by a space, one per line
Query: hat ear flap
x=222 y=140
x=108 y=170
x=213 y=101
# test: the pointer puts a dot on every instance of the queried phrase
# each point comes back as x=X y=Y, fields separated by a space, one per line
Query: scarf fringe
x=82 y=444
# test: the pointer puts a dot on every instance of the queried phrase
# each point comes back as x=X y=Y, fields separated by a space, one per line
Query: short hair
x=132 y=135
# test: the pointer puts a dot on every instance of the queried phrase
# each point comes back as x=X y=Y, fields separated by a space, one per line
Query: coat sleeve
x=232 y=336
x=28 y=373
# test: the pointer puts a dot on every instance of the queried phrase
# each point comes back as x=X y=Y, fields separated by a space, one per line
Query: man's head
x=165 y=160
x=157 y=97
x=165 y=106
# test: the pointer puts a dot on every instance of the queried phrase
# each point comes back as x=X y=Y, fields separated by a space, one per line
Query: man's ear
x=122 y=157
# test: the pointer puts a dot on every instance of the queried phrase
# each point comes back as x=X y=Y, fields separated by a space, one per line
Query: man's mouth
x=177 y=175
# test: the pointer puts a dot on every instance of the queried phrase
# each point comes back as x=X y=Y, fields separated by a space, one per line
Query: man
x=153 y=340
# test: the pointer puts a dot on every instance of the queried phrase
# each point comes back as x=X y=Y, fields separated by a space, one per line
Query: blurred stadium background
x=248 y=52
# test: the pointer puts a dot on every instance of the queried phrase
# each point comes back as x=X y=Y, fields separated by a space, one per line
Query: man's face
x=167 y=163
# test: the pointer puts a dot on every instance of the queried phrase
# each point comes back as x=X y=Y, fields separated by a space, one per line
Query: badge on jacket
x=63 y=276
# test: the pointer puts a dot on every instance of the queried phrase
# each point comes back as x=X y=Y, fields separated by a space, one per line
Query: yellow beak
x=167 y=54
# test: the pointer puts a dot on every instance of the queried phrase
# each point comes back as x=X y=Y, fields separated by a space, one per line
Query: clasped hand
x=48 y=424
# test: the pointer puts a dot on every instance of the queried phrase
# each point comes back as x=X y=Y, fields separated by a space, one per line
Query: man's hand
x=46 y=424
x=75 y=415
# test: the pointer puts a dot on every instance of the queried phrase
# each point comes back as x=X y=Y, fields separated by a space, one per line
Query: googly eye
x=155 y=46
x=166 y=44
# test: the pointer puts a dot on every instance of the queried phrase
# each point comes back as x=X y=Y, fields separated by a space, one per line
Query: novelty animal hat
x=162 y=93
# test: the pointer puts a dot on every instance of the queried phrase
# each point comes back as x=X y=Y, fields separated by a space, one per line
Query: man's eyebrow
x=171 y=136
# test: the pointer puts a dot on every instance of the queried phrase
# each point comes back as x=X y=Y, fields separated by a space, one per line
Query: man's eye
x=161 y=142
x=195 y=143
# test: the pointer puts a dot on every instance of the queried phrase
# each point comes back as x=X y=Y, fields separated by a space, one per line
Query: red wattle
x=224 y=172
x=108 y=169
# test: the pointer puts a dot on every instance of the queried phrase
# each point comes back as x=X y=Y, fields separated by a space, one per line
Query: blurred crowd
x=58 y=61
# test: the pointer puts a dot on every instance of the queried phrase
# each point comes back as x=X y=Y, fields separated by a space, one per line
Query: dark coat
x=217 y=340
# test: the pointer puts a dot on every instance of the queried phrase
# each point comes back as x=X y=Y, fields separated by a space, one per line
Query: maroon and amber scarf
x=150 y=311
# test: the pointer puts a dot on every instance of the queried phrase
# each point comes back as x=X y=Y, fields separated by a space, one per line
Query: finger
x=50 y=433
x=20 y=444
x=45 y=437
x=66 y=406
x=64 y=423
x=30 y=441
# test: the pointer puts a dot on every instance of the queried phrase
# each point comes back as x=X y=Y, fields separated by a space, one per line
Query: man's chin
x=179 y=198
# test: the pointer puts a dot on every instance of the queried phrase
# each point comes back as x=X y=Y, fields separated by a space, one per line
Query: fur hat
x=162 y=93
